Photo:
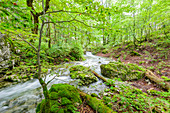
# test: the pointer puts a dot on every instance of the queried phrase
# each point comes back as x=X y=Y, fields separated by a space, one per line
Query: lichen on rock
x=83 y=73
x=64 y=98
x=123 y=71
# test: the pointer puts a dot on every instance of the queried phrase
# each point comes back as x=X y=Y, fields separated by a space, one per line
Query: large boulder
x=64 y=98
x=123 y=71
x=84 y=74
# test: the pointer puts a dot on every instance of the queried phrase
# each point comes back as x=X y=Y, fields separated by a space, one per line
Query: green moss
x=94 y=95
x=60 y=111
x=123 y=71
x=105 y=51
x=66 y=60
x=83 y=73
x=53 y=95
x=166 y=78
x=55 y=109
x=63 y=99
x=65 y=90
x=41 y=107
x=98 y=105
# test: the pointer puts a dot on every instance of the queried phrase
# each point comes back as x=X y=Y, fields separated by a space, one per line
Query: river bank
x=16 y=98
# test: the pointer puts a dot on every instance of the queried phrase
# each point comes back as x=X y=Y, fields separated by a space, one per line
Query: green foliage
x=77 y=51
x=66 y=60
x=165 y=78
x=151 y=67
x=87 y=23
x=59 y=51
x=141 y=62
x=95 y=49
x=104 y=51
x=125 y=98
x=161 y=94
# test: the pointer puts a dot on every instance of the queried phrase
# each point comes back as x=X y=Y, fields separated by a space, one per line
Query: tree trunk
x=134 y=31
x=55 y=33
x=97 y=75
x=104 y=40
x=42 y=82
x=35 y=14
x=36 y=23
x=48 y=34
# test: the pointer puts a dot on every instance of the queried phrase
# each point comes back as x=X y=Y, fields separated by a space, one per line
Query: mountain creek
x=24 y=97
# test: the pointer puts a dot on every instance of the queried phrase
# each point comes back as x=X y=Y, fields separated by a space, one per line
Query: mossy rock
x=123 y=71
x=64 y=98
x=83 y=73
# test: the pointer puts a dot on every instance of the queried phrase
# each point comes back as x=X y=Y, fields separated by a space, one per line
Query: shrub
x=77 y=51
x=58 y=51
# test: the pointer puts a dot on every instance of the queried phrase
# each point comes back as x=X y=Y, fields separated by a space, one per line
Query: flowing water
x=24 y=97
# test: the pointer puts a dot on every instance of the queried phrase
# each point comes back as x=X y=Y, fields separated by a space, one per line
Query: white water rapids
x=24 y=97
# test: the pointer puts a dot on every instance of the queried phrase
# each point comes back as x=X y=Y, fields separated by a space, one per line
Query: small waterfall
x=89 y=54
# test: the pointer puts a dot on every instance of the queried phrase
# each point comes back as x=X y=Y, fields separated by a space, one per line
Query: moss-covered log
x=96 y=104
x=159 y=81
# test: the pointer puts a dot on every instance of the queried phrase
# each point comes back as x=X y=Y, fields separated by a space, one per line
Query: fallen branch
x=159 y=81
x=97 y=75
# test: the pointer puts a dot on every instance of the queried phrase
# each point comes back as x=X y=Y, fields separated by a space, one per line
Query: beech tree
x=89 y=22
x=36 y=14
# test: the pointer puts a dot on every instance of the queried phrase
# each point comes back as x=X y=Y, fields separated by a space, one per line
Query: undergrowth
x=125 y=98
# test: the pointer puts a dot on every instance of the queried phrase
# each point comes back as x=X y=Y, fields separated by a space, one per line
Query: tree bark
x=160 y=82
x=36 y=22
x=97 y=75
x=42 y=82
x=36 y=15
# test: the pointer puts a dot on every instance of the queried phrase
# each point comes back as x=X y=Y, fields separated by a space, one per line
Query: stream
x=24 y=97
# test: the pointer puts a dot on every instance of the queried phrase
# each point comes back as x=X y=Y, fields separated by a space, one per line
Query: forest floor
x=153 y=55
